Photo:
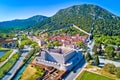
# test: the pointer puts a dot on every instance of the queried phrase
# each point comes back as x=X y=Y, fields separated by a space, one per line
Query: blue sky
x=21 y=9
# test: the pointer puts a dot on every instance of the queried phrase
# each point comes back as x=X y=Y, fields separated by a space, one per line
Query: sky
x=22 y=9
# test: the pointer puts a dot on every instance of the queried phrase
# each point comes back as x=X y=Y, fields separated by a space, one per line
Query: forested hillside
x=8 y=26
x=83 y=16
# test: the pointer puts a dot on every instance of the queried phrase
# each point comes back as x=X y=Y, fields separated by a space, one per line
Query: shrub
x=118 y=72
x=110 y=68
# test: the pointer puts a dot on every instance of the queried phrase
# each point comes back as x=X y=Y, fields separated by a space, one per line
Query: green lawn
x=1 y=48
x=91 y=76
x=5 y=56
x=5 y=68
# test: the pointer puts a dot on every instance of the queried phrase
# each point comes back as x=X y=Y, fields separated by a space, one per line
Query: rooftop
x=61 y=50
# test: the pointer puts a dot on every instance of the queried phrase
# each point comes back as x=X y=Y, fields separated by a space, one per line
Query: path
x=14 y=51
x=81 y=29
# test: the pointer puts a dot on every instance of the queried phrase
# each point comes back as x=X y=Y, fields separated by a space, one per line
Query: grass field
x=1 y=48
x=5 y=68
x=91 y=76
x=5 y=56
x=32 y=73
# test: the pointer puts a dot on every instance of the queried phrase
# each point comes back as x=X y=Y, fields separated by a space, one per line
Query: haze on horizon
x=22 y=9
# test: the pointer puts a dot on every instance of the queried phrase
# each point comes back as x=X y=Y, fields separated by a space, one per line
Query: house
x=8 y=43
x=40 y=41
x=69 y=40
x=62 y=58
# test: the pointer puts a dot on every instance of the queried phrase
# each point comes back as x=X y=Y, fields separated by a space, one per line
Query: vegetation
x=114 y=40
x=31 y=54
x=36 y=73
x=83 y=16
x=105 y=23
x=110 y=51
x=97 y=49
x=80 y=44
x=110 y=68
x=118 y=72
x=96 y=62
x=91 y=76
x=26 y=41
x=1 y=48
x=5 y=56
x=7 y=66
x=13 y=25
x=88 y=57
x=53 y=44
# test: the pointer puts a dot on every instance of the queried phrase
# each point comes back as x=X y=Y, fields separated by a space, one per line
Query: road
x=14 y=51
x=105 y=61
x=90 y=46
x=75 y=72
x=17 y=65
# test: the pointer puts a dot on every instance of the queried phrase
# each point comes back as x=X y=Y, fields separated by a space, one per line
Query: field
x=5 y=68
x=32 y=73
x=91 y=76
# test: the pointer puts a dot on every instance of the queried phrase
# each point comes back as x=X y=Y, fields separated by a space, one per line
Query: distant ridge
x=83 y=16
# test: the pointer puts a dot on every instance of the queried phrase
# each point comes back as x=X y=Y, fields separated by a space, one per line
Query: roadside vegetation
x=108 y=47
x=112 y=69
x=91 y=76
x=6 y=67
x=5 y=56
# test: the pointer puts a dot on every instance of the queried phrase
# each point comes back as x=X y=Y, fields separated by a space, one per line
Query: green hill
x=83 y=16
x=7 y=26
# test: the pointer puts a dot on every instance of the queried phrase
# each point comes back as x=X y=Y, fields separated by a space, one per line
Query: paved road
x=14 y=51
x=72 y=75
x=104 y=61
x=17 y=65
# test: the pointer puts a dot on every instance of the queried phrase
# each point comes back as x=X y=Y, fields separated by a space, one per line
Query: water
x=2 y=53
x=17 y=76
x=19 y=73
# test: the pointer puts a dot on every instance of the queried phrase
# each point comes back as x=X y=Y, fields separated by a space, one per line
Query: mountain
x=105 y=23
x=20 y=23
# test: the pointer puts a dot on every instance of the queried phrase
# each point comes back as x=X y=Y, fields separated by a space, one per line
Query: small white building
x=62 y=58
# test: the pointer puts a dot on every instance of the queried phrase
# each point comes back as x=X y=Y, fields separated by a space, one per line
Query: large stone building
x=62 y=58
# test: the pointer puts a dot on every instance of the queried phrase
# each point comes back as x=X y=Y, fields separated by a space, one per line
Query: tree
x=80 y=44
x=110 y=68
x=88 y=57
x=110 y=51
x=96 y=62
x=34 y=45
x=56 y=43
x=21 y=46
